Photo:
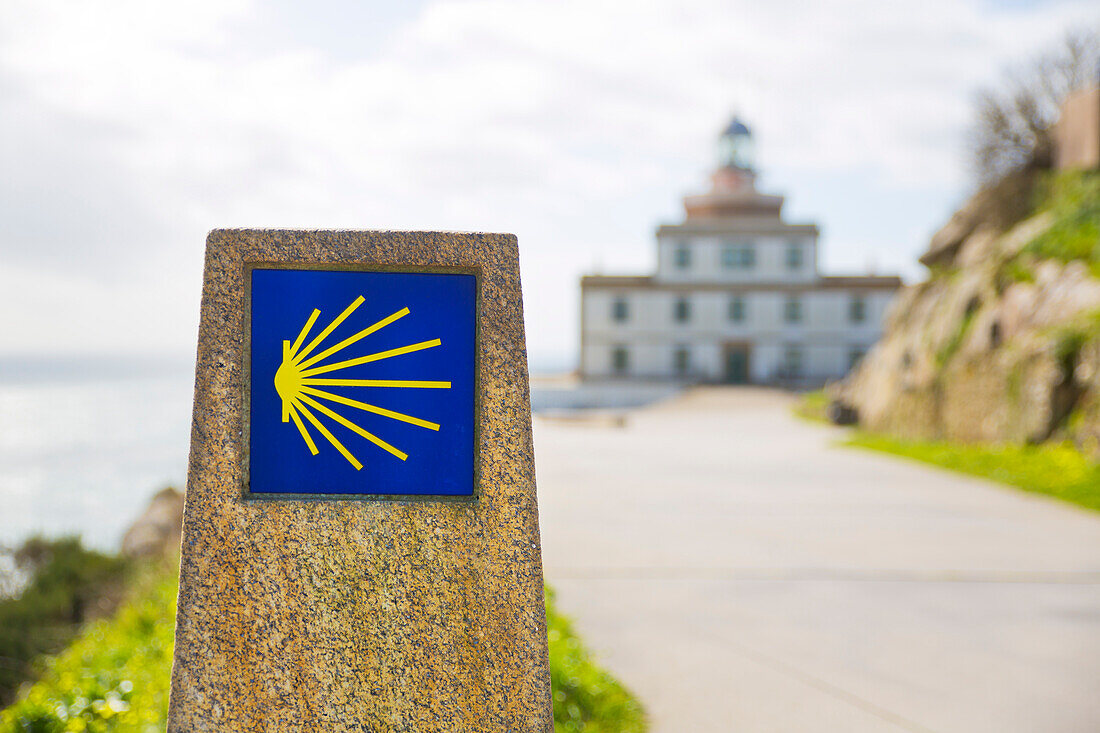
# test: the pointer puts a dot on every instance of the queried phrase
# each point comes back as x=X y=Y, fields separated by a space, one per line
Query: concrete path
x=741 y=573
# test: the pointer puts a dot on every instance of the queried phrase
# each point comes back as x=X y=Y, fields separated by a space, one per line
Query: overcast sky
x=128 y=129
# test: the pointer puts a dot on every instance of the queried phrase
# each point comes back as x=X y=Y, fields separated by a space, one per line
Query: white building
x=737 y=296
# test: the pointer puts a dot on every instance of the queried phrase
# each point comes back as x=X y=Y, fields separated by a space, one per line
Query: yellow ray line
x=302 y=429
x=371 y=357
x=302 y=334
x=329 y=329
x=370 y=408
x=376 y=383
x=353 y=427
x=331 y=438
x=352 y=339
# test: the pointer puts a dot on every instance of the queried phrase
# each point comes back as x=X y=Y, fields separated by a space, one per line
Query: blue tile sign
x=361 y=383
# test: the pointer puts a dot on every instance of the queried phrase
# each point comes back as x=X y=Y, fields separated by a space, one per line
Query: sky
x=130 y=128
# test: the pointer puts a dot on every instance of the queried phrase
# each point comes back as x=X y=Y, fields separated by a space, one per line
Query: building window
x=620 y=360
x=682 y=360
x=682 y=310
x=792 y=361
x=681 y=256
x=620 y=311
x=857 y=309
x=737 y=309
x=794 y=256
x=855 y=355
x=739 y=256
x=792 y=310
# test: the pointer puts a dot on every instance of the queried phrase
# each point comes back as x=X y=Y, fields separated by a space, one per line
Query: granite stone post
x=353 y=614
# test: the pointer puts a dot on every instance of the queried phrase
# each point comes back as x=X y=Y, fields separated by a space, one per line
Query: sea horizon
x=86 y=440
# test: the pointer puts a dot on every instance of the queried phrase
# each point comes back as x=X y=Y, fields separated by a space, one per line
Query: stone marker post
x=360 y=543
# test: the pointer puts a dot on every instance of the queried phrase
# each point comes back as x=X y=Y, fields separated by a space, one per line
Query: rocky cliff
x=1002 y=342
x=157 y=532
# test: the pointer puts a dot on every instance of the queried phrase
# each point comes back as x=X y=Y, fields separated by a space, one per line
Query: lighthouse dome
x=735 y=146
x=737 y=127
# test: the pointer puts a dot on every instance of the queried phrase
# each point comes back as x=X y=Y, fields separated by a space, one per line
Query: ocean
x=83 y=448
x=84 y=445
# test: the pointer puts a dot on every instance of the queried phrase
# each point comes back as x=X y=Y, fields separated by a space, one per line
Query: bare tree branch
x=1012 y=129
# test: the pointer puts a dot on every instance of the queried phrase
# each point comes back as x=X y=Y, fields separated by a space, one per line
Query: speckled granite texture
x=356 y=615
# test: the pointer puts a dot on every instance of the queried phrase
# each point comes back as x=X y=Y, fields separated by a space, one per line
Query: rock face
x=986 y=349
x=157 y=531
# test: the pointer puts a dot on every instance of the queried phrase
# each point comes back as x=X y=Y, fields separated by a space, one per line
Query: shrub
x=115 y=677
x=67 y=584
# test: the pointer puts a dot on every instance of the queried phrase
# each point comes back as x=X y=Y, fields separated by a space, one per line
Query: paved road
x=741 y=573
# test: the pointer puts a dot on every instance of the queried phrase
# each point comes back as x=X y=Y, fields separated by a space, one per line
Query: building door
x=737 y=363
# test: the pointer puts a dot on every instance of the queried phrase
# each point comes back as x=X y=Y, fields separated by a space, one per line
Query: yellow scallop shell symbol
x=298 y=378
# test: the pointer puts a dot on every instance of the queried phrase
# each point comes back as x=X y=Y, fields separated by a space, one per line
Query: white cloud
x=130 y=128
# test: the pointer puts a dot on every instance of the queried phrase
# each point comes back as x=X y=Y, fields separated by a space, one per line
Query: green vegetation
x=813 y=406
x=1071 y=337
x=115 y=676
x=586 y=698
x=949 y=349
x=67 y=584
x=1073 y=199
x=1054 y=469
x=1015 y=270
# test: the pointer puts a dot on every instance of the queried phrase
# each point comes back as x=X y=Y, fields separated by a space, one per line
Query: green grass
x=812 y=406
x=1054 y=469
x=115 y=676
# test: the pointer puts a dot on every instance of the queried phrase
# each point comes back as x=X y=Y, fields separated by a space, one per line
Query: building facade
x=737 y=296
